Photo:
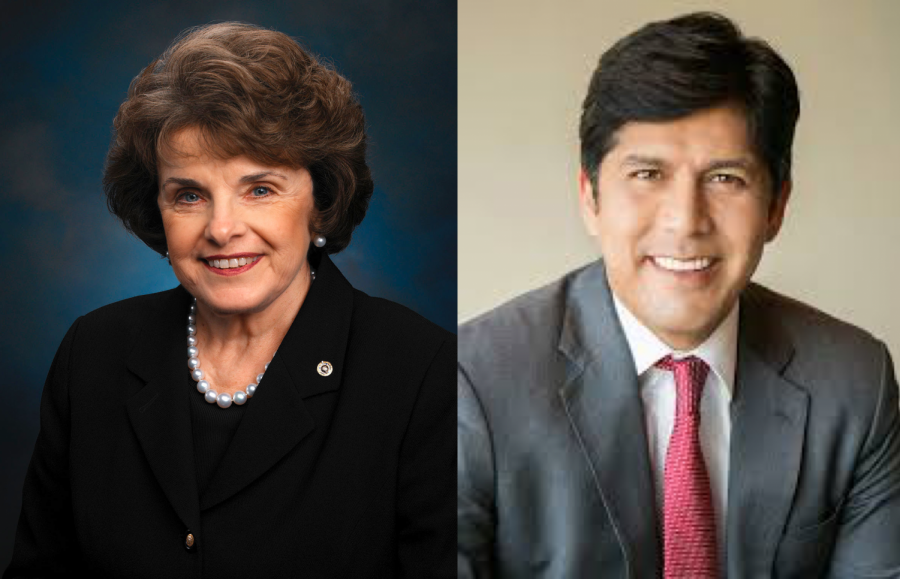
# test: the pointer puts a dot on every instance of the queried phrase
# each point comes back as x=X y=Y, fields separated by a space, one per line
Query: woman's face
x=237 y=231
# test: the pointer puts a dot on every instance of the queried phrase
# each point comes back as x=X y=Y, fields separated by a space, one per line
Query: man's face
x=682 y=213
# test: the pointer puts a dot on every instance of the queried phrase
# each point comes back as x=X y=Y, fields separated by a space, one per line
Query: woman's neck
x=251 y=333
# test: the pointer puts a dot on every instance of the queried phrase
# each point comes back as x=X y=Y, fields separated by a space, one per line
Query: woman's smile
x=231 y=265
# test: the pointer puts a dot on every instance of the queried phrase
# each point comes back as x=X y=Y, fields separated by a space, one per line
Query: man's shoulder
x=519 y=341
x=806 y=325
x=825 y=349
x=530 y=321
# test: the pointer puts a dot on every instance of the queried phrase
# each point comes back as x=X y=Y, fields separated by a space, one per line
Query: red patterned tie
x=689 y=528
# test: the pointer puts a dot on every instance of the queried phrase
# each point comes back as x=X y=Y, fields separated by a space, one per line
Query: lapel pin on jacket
x=325 y=368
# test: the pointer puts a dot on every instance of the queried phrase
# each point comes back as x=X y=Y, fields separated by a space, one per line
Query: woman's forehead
x=174 y=147
x=193 y=146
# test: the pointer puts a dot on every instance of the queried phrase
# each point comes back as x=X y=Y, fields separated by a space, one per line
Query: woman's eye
x=260 y=191
x=189 y=197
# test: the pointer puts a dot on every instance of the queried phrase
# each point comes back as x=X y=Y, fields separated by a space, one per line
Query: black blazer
x=344 y=476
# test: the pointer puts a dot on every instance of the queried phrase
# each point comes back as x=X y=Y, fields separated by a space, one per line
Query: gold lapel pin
x=325 y=368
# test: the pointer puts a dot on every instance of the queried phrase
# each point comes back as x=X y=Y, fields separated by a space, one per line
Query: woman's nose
x=224 y=223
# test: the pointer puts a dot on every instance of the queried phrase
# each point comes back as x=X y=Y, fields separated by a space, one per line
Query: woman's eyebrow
x=258 y=176
x=184 y=182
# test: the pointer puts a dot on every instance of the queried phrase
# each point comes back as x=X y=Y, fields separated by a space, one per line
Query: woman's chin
x=226 y=304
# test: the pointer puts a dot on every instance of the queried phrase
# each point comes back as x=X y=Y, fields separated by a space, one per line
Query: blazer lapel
x=602 y=398
x=768 y=429
x=160 y=411
x=275 y=420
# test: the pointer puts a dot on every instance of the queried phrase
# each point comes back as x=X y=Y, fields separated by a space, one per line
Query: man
x=655 y=414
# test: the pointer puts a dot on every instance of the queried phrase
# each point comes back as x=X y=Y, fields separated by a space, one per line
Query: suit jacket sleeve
x=475 y=486
x=426 y=485
x=869 y=527
x=45 y=538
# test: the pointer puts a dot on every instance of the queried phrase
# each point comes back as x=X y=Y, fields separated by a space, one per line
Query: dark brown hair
x=673 y=68
x=252 y=92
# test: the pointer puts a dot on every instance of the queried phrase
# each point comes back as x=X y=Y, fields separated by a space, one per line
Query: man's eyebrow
x=263 y=175
x=735 y=163
x=644 y=160
x=738 y=163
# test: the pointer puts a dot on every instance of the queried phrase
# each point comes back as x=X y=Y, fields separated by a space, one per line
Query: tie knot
x=690 y=376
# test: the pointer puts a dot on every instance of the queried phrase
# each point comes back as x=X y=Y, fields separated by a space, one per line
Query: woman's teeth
x=230 y=263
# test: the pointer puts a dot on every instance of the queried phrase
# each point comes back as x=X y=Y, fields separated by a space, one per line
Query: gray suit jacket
x=554 y=478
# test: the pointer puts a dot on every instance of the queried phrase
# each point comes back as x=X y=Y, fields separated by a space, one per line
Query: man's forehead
x=710 y=135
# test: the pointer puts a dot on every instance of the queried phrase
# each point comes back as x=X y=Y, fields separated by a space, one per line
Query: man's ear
x=777 y=210
x=588 y=202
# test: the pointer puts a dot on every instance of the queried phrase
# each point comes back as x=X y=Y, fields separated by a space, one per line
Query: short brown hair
x=250 y=91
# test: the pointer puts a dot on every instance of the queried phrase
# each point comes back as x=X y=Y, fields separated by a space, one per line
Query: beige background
x=523 y=71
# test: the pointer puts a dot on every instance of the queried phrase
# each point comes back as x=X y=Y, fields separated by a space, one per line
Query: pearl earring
x=319 y=241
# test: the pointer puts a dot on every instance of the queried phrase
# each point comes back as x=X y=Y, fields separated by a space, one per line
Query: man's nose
x=685 y=209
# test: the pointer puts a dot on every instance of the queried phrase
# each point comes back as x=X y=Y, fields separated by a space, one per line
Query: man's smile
x=683 y=264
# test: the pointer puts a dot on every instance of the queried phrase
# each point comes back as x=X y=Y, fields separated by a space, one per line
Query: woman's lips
x=230 y=271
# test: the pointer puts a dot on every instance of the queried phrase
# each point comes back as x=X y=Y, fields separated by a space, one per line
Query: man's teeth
x=230 y=263
x=673 y=264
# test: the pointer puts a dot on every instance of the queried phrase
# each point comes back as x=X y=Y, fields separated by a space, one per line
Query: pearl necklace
x=203 y=387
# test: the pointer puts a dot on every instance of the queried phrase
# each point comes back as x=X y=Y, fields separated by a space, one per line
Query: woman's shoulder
x=398 y=346
x=131 y=317
x=382 y=319
x=132 y=309
x=111 y=332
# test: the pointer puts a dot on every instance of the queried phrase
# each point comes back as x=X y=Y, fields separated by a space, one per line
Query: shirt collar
x=719 y=350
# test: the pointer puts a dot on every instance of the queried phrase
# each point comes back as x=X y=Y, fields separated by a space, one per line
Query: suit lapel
x=160 y=411
x=768 y=428
x=603 y=403
x=276 y=420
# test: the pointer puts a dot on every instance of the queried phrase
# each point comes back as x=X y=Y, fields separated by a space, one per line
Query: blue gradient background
x=65 y=70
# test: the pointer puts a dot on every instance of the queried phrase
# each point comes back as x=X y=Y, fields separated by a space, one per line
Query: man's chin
x=684 y=331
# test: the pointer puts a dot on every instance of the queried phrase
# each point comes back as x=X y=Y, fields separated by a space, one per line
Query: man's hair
x=249 y=91
x=670 y=69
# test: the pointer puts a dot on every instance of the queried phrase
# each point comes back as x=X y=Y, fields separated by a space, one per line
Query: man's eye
x=647 y=174
x=727 y=179
x=260 y=191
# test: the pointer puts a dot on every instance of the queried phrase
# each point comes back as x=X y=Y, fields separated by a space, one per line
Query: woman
x=264 y=418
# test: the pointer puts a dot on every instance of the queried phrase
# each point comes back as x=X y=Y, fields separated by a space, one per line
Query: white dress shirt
x=719 y=351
